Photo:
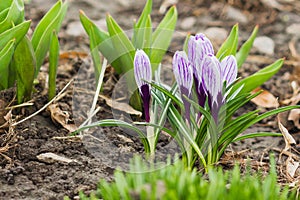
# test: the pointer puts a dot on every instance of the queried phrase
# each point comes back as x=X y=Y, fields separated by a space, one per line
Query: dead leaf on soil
x=52 y=158
x=265 y=99
x=121 y=106
x=294 y=114
x=288 y=138
x=291 y=167
x=295 y=117
x=61 y=117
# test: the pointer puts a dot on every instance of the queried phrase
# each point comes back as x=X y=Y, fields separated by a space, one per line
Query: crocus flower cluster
x=199 y=66
x=209 y=73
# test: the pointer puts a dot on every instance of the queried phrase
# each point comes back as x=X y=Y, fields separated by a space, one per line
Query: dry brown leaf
x=291 y=167
x=288 y=138
x=295 y=117
x=121 y=106
x=61 y=117
x=52 y=158
x=265 y=99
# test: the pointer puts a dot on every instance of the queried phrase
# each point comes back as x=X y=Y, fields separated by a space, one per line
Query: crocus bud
x=213 y=84
x=198 y=47
x=184 y=77
x=143 y=74
x=229 y=69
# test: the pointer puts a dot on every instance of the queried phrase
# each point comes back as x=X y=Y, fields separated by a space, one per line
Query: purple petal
x=143 y=73
x=229 y=69
x=182 y=71
x=211 y=77
x=142 y=68
x=198 y=46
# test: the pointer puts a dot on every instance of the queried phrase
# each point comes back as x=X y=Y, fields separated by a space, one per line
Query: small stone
x=293 y=29
x=188 y=23
x=75 y=29
x=264 y=45
x=236 y=15
x=216 y=34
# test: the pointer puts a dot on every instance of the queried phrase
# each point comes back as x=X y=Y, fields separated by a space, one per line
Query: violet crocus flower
x=198 y=47
x=143 y=74
x=214 y=74
x=183 y=73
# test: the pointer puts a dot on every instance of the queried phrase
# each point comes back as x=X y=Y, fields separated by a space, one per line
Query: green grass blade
x=5 y=58
x=243 y=53
x=53 y=63
x=229 y=47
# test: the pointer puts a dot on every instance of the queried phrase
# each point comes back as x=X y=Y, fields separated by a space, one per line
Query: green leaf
x=115 y=122
x=123 y=47
x=258 y=78
x=3 y=14
x=53 y=63
x=15 y=13
x=254 y=135
x=230 y=45
x=24 y=65
x=5 y=58
x=102 y=40
x=5 y=4
x=17 y=32
x=42 y=35
x=162 y=37
x=243 y=53
x=142 y=26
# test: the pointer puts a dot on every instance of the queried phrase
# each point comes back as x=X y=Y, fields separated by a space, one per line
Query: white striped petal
x=229 y=69
x=142 y=68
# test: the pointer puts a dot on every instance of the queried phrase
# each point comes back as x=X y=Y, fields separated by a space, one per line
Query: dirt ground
x=25 y=174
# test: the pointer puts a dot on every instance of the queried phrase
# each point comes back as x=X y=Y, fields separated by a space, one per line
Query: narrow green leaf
x=17 y=32
x=258 y=78
x=243 y=53
x=95 y=54
x=42 y=35
x=162 y=37
x=230 y=45
x=53 y=63
x=24 y=65
x=254 y=135
x=123 y=47
x=5 y=58
x=115 y=122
